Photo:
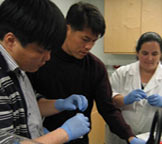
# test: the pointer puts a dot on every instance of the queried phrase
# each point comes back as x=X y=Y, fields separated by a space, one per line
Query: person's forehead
x=87 y=32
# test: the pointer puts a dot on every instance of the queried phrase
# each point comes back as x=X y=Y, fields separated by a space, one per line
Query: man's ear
x=9 y=41
x=69 y=28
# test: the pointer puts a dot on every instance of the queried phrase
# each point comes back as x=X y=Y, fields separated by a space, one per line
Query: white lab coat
x=138 y=115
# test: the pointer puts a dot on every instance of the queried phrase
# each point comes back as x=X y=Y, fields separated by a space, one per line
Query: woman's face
x=149 y=55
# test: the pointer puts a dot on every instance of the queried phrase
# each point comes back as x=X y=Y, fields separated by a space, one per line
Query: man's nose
x=89 y=45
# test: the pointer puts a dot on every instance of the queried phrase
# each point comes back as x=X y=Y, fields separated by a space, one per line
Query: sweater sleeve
x=103 y=97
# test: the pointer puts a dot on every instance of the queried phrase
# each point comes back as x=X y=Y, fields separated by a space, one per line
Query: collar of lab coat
x=154 y=81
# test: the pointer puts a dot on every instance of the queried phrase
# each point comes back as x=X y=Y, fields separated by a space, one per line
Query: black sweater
x=64 y=75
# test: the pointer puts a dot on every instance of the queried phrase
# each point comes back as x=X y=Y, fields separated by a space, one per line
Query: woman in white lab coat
x=137 y=87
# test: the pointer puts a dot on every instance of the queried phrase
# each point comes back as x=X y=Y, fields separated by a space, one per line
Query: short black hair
x=147 y=37
x=39 y=21
x=84 y=15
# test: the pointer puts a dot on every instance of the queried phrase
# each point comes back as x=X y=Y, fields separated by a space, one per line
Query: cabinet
x=126 y=20
x=97 y=134
x=151 y=16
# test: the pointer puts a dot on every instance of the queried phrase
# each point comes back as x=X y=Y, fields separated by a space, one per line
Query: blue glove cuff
x=45 y=131
x=125 y=100
x=58 y=104
x=68 y=131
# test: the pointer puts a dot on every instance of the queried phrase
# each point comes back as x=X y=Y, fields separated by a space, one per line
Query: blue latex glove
x=72 y=103
x=135 y=95
x=137 y=141
x=76 y=126
x=155 y=100
x=46 y=131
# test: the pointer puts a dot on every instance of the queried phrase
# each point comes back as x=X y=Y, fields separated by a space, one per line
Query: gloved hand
x=76 y=126
x=137 y=141
x=135 y=95
x=72 y=103
x=155 y=100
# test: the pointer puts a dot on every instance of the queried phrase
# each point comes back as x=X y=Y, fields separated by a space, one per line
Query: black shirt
x=65 y=75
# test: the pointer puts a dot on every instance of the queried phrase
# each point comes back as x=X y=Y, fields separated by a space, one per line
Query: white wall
x=1 y=1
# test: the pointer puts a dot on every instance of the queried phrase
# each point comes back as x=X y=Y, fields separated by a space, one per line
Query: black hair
x=39 y=21
x=147 y=37
x=84 y=15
